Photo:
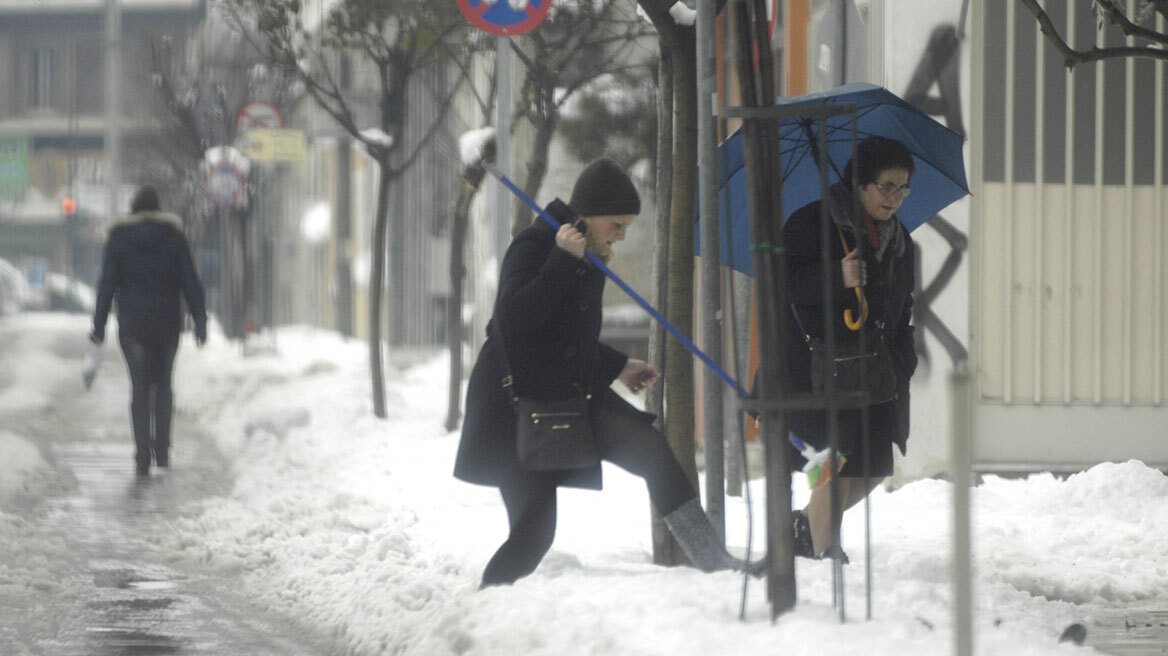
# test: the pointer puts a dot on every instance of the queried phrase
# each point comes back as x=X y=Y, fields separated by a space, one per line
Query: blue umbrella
x=938 y=181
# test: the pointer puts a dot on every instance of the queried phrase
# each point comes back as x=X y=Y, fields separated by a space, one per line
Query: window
x=42 y=77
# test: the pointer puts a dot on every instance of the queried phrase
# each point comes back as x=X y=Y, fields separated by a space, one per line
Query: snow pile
x=25 y=473
x=355 y=526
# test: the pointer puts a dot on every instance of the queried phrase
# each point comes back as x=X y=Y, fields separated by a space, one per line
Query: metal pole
x=962 y=550
x=711 y=287
x=502 y=144
x=113 y=105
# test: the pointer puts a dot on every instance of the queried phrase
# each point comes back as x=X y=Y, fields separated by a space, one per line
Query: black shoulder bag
x=858 y=365
x=550 y=435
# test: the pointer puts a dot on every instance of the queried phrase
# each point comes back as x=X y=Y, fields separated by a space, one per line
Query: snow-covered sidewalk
x=356 y=526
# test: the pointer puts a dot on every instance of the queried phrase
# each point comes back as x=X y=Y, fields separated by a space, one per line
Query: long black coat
x=146 y=265
x=548 y=312
x=889 y=293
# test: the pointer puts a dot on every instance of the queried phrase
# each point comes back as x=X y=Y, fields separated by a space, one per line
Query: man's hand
x=200 y=336
x=571 y=240
x=854 y=270
x=96 y=338
x=637 y=375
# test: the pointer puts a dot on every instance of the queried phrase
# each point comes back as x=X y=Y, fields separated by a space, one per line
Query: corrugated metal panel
x=1069 y=299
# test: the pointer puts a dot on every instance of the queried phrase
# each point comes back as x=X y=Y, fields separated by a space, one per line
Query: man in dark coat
x=548 y=314
x=871 y=251
x=147 y=264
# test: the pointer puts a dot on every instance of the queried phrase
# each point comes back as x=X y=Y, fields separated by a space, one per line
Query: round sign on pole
x=226 y=184
x=258 y=114
x=500 y=18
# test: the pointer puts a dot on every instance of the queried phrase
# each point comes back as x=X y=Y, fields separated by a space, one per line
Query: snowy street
x=294 y=522
x=88 y=577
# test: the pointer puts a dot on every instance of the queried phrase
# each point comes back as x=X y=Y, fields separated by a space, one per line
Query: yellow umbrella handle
x=850 y=320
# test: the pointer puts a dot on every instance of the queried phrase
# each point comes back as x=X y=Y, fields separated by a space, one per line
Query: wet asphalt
x=107 y=587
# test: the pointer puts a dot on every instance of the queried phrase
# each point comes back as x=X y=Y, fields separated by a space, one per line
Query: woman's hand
x=637 y=375
x=571 y=240
x=854 y=270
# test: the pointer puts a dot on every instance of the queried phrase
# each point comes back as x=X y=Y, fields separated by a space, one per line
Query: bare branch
x=1071 y=57
x=1117 y=17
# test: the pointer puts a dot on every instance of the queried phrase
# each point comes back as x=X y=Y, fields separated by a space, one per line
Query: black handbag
x=550 y=434
x=857 y=365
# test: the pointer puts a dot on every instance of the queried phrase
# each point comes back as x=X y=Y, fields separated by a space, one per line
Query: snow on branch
x=377 y=137
x=682 y=14
x=472 y=145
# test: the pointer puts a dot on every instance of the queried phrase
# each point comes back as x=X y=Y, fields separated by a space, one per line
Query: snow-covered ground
x=355 y=526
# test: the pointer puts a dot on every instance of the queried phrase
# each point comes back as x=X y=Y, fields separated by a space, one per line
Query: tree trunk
x=664 y=547
x=763 y=196
x=679 y=392
x=376 y=287
x=536 y=170
x=471 y=179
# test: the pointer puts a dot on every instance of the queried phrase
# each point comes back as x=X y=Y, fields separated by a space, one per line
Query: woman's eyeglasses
x=890 y=189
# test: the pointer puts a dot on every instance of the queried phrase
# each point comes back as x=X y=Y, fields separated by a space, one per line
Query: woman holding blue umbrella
x=871 y=278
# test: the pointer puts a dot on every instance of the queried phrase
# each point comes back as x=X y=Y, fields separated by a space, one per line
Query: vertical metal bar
x=962 y=551
x=113 y=106
x=1128 y=206
x=1157 y=256
x=1008 y=222
x=711 y=283
x=829 y=338
x=1068 y=214
x=1039 y=224
x=976 y=308
x=1097 y=219
x=502 y=144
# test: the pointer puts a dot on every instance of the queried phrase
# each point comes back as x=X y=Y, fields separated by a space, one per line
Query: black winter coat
x=549 y=313
x=888 y=290
x=147 y=264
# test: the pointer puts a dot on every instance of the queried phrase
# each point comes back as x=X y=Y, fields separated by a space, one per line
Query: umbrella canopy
x=938 y=181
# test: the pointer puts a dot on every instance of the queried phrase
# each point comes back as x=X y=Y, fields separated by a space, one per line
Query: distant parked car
x=13 y=288
x=69 y=294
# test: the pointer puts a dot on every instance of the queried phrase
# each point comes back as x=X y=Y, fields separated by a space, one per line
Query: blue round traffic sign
x=502 y=19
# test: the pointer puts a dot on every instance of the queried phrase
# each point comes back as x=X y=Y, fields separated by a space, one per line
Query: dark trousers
x=625 y=439
x=150 y=359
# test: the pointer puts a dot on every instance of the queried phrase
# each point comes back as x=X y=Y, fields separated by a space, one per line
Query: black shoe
x=143 y=469
x=802 y=529
x=162 y=459
x=834 y=552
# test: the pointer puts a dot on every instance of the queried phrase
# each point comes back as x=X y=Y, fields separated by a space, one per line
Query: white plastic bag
x=92 y=363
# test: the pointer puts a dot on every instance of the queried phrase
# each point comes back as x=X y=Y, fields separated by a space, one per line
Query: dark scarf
x=841 y=206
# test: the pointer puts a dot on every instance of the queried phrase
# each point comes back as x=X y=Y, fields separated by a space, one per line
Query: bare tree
x=1155 y=44
x=473 y=173
x=198 y=89
x=400 y=42
x=577 y=44
x=680 y=40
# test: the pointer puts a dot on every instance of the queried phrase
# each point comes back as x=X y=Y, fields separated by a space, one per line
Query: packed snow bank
x=25 y=473
x=355 y=525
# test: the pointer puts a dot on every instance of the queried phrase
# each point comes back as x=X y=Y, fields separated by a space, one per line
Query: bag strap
x=508 y=381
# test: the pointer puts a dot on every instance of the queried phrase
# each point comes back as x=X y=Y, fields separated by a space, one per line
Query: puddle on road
x=1132 y=629
x=126 y=598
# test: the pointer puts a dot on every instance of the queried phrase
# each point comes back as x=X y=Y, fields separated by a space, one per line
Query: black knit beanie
x=603 y=189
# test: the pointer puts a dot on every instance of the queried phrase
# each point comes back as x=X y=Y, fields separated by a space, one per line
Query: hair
x=145 y=200
x=875 y=155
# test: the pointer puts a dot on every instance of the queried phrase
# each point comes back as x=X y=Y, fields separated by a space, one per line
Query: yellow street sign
x=271 y=145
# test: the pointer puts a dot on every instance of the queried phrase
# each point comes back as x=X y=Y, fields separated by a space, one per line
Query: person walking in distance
x=146 y=267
